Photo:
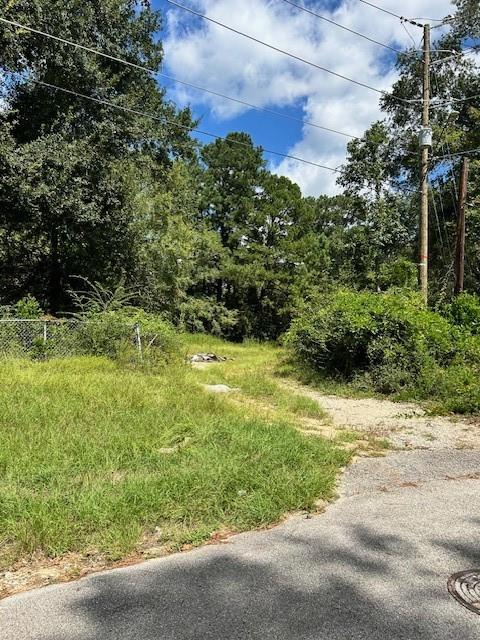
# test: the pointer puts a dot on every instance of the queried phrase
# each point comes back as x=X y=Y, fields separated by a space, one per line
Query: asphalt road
x=374 y=566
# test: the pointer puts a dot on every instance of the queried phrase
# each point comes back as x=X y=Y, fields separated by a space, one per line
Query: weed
x=83 y=460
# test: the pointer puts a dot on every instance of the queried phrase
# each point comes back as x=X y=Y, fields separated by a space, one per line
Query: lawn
x=94 y=457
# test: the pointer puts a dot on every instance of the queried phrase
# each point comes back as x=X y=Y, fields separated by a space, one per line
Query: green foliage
x=159 y=340
x=110 y=327
x=355 y=332
x=203 y=315
x=71 y=169
x=114 y=334
x=464 y=311
x=27 y=308
x=205 y=235
x=98 y=299
x=399 y=273
x=94 y=457
x=390 y=342
x=267 y=241
x=106 y=334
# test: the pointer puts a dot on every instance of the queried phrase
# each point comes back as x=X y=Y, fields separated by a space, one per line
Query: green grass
x=93 y=456
x=253 y=369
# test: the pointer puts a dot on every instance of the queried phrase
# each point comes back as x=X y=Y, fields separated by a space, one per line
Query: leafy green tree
x=261 y=220
x=71 y=171
x=230 y=184
x=454 y=118
x=380 y=220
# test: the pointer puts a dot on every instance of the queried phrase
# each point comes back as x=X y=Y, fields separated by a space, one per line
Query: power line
x=457 y=154
x=256 y=107
x=340 y=26
x=286 y=53
x=446 y=101
x=439 y=230
x=76 y=44
x=446 y=145
x=177 y=80
x=382 y=44
x=172 y=78
x=440 y=104
x=414 y=21
x=165 y=120
x=457 y=54
x=162 y=118
x=442 y=20
x=390 y=13
x=409 y=34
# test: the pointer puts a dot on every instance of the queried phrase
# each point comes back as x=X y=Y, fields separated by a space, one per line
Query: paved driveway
x=373 y=566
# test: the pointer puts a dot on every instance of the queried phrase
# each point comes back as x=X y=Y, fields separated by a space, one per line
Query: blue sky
x=279 y=134
x=207 y=55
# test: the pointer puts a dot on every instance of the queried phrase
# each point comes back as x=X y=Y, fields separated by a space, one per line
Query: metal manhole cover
x=465 y=588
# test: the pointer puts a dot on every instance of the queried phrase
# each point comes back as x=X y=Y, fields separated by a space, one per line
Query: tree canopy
x=208 y=235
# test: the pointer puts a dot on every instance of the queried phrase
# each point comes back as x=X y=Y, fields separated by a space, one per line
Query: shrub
x=112 y=334
x=390 y=342
x=159 y=339
x=464 y=312
x=203 y=315
x=27 y=308
x=108 y=326
x=398 y=273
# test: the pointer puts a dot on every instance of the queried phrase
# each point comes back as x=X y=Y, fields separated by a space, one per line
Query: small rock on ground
x=219 y=388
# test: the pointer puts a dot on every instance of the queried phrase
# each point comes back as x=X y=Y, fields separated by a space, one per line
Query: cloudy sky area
x=208 y=55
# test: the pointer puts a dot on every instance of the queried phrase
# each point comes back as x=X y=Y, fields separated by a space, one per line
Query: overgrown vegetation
x=93 y=456
x=180 y=236
x=207 y=236
x=252 y=369
x=391 y=343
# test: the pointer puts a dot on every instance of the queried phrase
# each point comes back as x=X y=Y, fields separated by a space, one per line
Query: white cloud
x=210 y=56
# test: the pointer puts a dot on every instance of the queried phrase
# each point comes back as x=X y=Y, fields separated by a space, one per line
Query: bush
x=390 y=342
x=27 y=308
x=464 y=312
x=354 y=332
x=109 y=326
x=112 y=334
x=203 y=315
x=398 y=273
x=158 y=337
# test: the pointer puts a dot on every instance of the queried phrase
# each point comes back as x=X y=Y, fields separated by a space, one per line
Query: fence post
x=138 y=337
x=45 y=333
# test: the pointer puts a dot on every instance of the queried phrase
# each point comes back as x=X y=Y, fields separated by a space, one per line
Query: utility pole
x=460 y=247
x=426 y=143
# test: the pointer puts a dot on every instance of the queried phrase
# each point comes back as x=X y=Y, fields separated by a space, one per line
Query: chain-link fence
x=41 y=339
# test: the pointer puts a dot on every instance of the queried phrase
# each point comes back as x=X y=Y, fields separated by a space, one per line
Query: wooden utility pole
x=425 y=148
x=460 y=248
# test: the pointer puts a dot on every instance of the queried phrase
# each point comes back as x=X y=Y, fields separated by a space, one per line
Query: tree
x=259 y=218
x=230 y=183
x=67 y=201
x=454 y=119
x=380 y=220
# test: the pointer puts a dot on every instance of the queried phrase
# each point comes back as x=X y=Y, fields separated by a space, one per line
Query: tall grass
x=253 y=369
x=92 y=456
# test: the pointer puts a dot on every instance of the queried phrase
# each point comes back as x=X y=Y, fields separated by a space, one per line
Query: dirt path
x=404 y=425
